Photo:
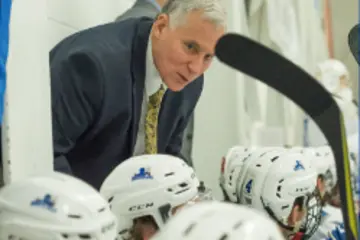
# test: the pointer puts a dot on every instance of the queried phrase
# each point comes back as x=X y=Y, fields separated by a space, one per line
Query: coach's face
x=184 y=52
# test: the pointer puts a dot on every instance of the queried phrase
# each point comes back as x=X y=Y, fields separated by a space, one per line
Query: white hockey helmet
x=231 y=166
x=275 y=180
x=54 y=206
x=296 y=149
x=330 y=73
x=322 y=161
x=149 y=185
x=219 y=220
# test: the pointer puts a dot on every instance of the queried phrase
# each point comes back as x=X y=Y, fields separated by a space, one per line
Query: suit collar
x=138 y=66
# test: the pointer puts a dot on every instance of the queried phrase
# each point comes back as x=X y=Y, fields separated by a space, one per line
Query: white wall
x=27 y=144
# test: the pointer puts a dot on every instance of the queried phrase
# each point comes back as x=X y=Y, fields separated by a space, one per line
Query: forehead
x=197 y=28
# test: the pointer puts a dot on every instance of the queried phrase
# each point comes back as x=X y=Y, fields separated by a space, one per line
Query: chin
x=174 y=85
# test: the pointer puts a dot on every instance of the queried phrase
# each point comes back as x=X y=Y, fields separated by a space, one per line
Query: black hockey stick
x=281 y=74
x=353 y=41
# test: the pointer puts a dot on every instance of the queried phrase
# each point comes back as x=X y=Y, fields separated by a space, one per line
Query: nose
x=196 y=66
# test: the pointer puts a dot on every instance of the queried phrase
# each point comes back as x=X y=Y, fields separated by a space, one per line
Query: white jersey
x=331 y=217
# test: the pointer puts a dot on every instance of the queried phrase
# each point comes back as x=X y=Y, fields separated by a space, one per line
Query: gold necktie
x=151 y=121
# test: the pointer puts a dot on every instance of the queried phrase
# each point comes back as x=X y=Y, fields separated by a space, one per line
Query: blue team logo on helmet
x=298 y=166
x=46 y=202
x=142 y=174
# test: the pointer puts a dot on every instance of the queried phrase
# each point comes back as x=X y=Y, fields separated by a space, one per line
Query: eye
x=191 y=47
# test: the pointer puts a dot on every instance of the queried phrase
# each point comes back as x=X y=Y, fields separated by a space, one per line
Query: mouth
x=183 y=79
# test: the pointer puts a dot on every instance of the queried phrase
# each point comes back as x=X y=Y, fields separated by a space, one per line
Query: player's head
x=54 y=206
x=322 y=160
x=216 y=220
x=234 y=165
x=144 y=191
x=231 y=169
x=282 y=185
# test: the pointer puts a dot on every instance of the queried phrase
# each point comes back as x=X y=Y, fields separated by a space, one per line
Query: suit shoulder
x=137 y=13
x=110 y=38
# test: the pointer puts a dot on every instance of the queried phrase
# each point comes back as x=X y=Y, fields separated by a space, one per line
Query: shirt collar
x=152 y=77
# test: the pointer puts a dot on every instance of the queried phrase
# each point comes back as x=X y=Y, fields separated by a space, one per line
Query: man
x=142 y=8
x=102 y=80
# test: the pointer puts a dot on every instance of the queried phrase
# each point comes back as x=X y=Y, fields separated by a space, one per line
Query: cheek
x=177 y=55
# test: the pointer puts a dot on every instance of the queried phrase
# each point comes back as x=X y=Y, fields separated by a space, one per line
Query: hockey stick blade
x=284 y=76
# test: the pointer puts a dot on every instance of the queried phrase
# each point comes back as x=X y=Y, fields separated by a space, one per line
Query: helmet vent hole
x=169 y=174
x=84 y=236
x=224 y=237
x=101 y=209
x=237 y=225
x=184 y=184
x=74 y=216
x=189 y=229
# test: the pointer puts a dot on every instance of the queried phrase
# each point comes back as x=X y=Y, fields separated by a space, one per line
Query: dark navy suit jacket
x=97 y=85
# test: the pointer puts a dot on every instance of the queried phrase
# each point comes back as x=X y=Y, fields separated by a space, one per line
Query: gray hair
x=213 y=10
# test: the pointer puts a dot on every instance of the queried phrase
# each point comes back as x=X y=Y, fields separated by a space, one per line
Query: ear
x=293 y=216
x=321 y=186
x=161 y=25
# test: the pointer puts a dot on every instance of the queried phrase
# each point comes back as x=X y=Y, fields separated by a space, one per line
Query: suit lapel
x=161 y=122
x=138 y=75
x=170 y=104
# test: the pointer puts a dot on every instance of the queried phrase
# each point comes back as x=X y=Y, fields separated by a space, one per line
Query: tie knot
x=156 y=98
